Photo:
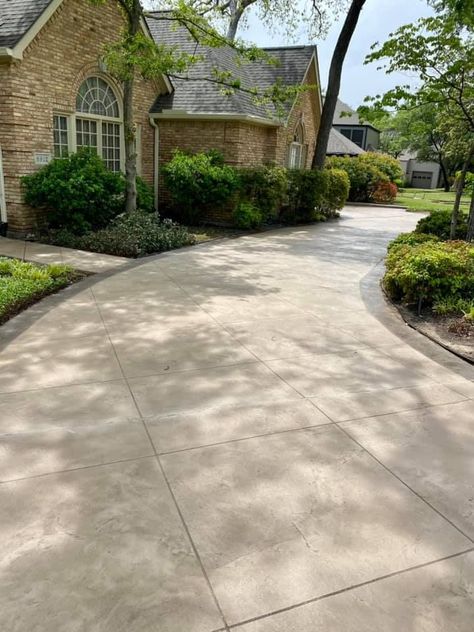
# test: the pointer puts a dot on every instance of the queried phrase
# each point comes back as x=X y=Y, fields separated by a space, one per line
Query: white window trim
x=72 y=136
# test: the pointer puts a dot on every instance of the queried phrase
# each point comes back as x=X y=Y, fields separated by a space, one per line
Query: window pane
x=60 y=136
x=111 y=145
x=86 y=133
x=357 y=136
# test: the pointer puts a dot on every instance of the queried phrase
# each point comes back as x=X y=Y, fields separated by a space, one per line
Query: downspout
x=156 y=159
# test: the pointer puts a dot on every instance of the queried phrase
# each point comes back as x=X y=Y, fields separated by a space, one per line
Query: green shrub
x=411 y=239
x=265 y=187
x=385 y=163
x=78 y=192
x=337 y=192
x=145 y=196
x=307 y=193
x=439 y=223
x=430 y=271
x=363 y=176
x=453 y=306
x=129 y=235
x=198 y=183
x=247 y=215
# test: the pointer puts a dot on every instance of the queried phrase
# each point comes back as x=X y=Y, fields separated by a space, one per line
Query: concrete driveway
x=241 y=435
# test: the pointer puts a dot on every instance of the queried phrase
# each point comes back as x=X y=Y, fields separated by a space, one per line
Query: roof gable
x=339 y=145
x=195 y=94
x=17 y=17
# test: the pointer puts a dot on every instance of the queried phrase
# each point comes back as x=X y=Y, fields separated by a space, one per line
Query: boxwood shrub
x=199 y=182
x=430 y=272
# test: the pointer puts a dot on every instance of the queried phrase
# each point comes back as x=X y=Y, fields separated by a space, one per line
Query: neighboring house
x=347 y=122
x=419 y=174
x=340 y=145
x=56 y=96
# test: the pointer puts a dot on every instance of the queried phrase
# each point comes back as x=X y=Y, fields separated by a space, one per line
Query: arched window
x=297 y=151
x=98 y=106
x=96 y=124
x=95 y=96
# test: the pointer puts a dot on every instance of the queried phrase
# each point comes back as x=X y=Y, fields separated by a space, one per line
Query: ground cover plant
x=128 y=235
x=23 y=283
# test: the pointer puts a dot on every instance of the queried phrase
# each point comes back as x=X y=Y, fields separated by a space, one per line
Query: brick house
x=56 y=96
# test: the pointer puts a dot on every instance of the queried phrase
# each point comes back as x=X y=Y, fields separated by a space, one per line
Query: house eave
x=9 y=53
x=181 y=115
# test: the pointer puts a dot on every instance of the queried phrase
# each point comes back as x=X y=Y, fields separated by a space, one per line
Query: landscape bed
x=23 y=283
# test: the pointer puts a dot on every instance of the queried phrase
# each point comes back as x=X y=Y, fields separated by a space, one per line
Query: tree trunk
x=470 y=223
x=130 y=153
x=236 y=12
x=334 y=82
x=129 y=127
x=445 y=175
x=459 y=191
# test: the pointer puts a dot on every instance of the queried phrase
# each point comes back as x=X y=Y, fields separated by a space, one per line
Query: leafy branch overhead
x=140 y=54
x=440 y=55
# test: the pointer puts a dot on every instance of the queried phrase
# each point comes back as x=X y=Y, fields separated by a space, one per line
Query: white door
x=3 y=204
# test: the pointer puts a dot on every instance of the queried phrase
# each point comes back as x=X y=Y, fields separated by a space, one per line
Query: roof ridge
x=293 y=47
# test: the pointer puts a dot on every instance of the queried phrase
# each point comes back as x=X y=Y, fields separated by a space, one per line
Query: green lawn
x=23 y=283
x=417 y=200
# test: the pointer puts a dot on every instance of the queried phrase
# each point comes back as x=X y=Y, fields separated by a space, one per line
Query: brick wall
x=242 y=144
x=46 y=80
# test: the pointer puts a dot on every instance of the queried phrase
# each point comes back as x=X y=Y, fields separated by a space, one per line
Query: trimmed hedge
x=373 y=177
x=432 y=271
x=201 y=184
x=79 y=193
x=198 y=182
x=266 y=187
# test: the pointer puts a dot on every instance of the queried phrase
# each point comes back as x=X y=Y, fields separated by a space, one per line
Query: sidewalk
x=45 y=253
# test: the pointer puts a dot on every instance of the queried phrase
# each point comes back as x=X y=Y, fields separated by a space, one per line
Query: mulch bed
x=454 y=333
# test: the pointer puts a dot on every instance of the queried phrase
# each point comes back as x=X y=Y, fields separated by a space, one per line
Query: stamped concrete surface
x=241 y=435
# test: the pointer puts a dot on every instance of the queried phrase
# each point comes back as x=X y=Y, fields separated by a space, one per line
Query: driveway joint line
x=390 y=471
x=76 y=469
x=350 y=588
x=170 y=490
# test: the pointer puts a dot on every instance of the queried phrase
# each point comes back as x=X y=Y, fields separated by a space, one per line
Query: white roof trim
x=34 y=29
x=17 y=51
x=176 y=115
x=8 y=53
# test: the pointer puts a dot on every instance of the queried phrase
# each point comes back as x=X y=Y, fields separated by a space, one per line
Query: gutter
x=181 y=115
x=156 y=159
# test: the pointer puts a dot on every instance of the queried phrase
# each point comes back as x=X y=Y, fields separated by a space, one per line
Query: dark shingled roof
x=200 y=96
x=16 y=17
x=339 y=145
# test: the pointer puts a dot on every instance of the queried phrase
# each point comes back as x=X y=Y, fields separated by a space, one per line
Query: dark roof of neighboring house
x=16 y=17
x=195 y=94
x=339 y=145
x=345 y=115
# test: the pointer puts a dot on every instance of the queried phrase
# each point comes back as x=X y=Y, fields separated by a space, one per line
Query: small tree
x=137 y=54
x=441 y=54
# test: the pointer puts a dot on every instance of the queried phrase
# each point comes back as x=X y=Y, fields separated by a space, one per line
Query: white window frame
x=298 y=151
x=71 y=125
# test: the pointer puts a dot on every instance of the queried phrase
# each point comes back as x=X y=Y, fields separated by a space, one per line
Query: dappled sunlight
x=265 y=372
